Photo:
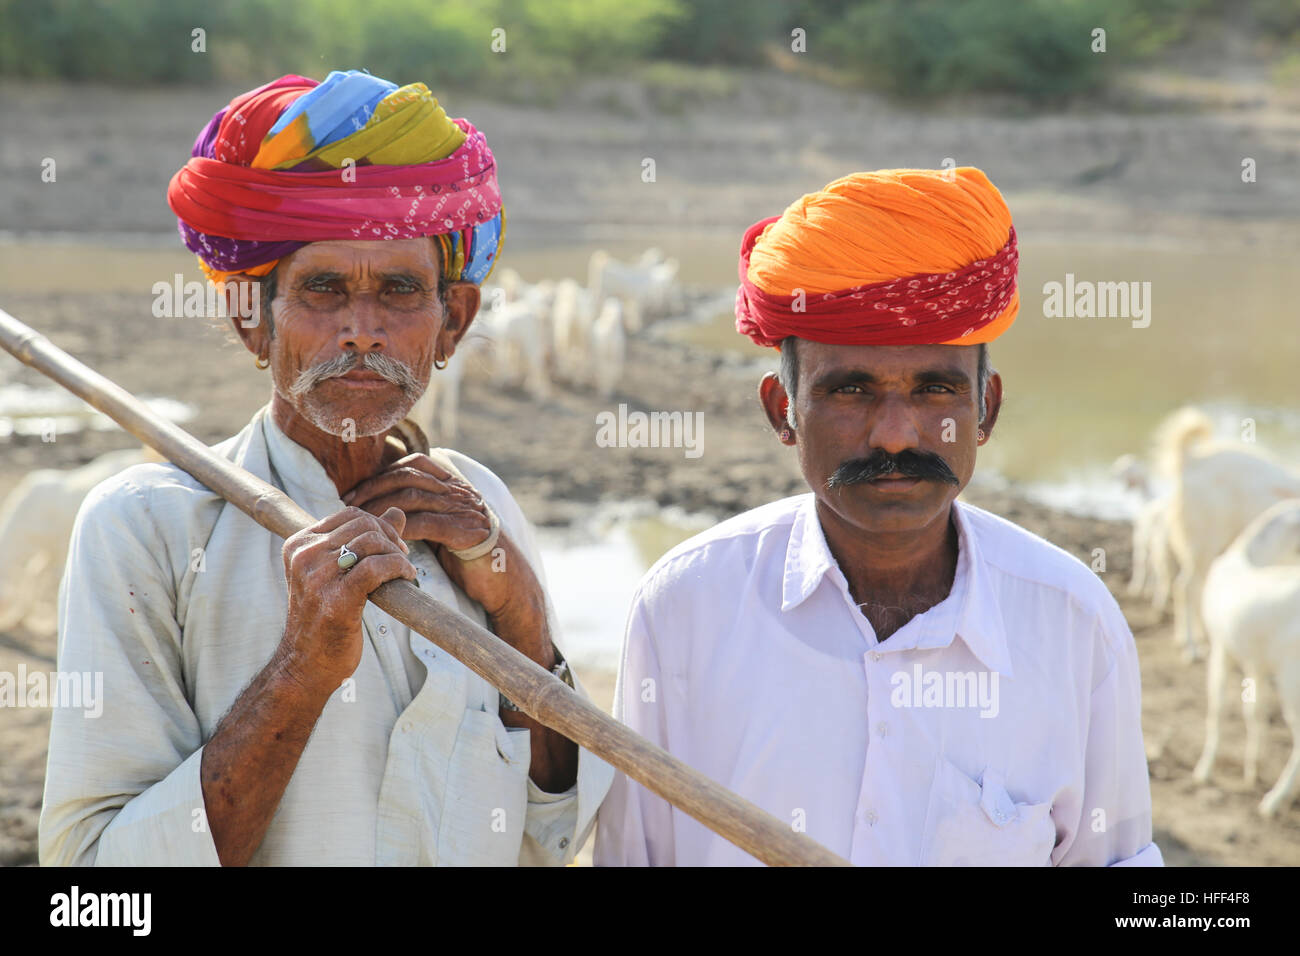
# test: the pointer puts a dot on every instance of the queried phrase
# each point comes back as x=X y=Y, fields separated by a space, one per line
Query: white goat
x=518 y=331
x=652 y=286
x=440 y=403
x=35 y=527
x=510 y=283
x=571 y=322
x=609 y=343
x=1152 y=560
x=1218 y=487
x=1252 y=612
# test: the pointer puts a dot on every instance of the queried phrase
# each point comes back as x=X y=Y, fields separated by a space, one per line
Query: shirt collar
x=979 y=622
x=303 y=478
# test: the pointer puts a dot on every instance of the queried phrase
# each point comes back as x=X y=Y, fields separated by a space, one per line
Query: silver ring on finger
x=347 y=558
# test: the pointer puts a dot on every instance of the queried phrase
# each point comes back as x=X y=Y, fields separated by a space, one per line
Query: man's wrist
x=559 y=670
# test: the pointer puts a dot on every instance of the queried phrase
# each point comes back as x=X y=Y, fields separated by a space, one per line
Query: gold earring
x=261 y=362
x=437 y=360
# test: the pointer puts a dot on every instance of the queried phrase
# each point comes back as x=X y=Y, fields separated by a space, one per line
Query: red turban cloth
x=893 y=257
x=354 y=157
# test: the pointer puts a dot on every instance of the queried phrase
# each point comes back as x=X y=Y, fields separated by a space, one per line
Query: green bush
x=1040 y=49
x=928 y=48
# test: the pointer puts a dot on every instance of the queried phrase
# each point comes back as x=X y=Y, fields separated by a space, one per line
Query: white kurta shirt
x=1001 y=726
x=180 y=599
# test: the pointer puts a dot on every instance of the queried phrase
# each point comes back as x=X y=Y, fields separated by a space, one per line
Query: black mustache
x=906 y=464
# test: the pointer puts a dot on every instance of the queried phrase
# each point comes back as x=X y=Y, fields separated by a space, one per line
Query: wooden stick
x=537 y=692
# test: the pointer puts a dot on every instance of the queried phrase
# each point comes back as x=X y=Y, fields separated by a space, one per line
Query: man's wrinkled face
x=887 y=434
x=355 y=328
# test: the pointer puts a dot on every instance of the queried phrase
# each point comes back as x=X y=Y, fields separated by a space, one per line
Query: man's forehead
x=891 y=360
x=349 y=256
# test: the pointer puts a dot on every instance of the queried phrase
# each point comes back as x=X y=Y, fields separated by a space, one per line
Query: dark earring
x=786 y=434
x=980 y=434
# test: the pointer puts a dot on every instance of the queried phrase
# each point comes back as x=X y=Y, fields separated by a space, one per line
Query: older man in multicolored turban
x=909 y=679
x=256 y=708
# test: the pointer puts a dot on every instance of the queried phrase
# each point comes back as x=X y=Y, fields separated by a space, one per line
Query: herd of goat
x=536 y=334
x=1223 y=543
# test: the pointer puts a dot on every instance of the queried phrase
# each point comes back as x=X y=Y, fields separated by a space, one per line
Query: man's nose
x=364 y=330
x=893 y=429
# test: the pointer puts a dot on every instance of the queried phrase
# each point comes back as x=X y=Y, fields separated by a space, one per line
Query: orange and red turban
x=893 y=257
x=354 y=157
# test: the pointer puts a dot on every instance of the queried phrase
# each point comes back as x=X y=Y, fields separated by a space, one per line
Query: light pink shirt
x=1000 y=727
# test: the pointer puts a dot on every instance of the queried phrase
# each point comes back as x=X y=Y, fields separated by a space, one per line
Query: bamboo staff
x=537 y=692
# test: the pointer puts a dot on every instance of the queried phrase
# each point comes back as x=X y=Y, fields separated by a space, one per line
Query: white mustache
x=397 y=372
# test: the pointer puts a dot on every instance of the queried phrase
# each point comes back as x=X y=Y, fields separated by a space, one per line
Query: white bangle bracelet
x=487 y=544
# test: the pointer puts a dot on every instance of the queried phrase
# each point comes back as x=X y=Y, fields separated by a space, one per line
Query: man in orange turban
x=906 y=678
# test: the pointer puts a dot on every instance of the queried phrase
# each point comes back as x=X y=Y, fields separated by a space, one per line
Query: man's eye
x=845 y=389
x=404 y=287
x=320 y=287
x=936 y=385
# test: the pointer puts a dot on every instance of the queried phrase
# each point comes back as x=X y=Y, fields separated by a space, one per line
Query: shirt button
x=383 y=628
x=882 y=728
x=869 y=817
x=406 y=726
x=874 y=655
x=564 y=842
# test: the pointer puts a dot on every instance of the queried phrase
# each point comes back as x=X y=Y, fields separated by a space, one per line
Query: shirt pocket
x=978 y=823
x=486 y=798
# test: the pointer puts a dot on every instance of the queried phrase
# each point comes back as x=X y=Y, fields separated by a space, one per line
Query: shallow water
x=623 y=542
x=53 y=410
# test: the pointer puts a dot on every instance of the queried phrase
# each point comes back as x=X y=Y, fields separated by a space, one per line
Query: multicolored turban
x=354 y=157
x=894 y=257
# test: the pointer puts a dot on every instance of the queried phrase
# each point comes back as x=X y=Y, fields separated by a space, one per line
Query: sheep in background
x=35 y=528
x=1217 y=488
x=1252 y=612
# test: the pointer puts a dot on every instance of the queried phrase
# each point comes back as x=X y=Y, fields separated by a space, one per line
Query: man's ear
x=252 y=326
x=462 y=302
x=775 y=404
x=992 y=404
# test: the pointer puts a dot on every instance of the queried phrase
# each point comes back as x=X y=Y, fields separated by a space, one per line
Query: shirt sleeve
x=557 y=825
x=1114 y=828
x=636 y=826
x=122 y=786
